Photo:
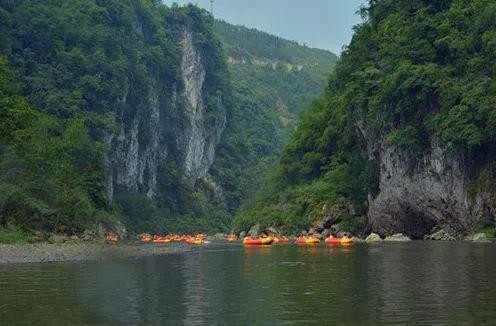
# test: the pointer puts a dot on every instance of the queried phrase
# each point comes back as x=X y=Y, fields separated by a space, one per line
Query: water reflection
x=257 y=250
x=425 y=283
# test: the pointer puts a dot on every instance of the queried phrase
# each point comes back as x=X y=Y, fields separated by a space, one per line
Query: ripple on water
x=425 y=283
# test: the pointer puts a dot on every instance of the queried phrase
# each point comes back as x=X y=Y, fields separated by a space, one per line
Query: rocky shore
x=71 y=252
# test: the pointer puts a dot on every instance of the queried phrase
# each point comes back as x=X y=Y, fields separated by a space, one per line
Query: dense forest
x=127 y=112
x=272 y=80
x=416 y=81
x=91 y=99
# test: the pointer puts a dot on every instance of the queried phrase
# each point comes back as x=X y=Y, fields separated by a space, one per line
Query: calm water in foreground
x=393 y=283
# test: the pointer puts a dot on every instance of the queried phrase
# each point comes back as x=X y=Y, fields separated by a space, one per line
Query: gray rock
x=478 y=237
x=88 y=235
x=242 y=234
x=440 y=235
x=219 y=236
x=357 y=240
x=332 y=216
x=58 y=238
x=421 y=190
x=373 y=237
x=398 y=237
x=113 y=227
x=254 y=230
x=272 y=230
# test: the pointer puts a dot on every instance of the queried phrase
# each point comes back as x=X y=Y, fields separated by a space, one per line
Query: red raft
x=258 y=242
x=333 y=241
x=307 y=240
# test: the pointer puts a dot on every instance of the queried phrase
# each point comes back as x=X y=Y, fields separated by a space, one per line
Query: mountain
x=272 y=80
x=147 y=88
x=132 y=112
x=403 y=141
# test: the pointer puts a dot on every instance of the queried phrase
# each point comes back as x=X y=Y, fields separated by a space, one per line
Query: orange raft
x=346 y=241
x=157 y=239
x=258 y=242
x=195 y=241
x=307 y=240
x=333 y=241
x=281 y=239
x=146 y=238
x=337 y=241
x=231 y=238
x=112 y=238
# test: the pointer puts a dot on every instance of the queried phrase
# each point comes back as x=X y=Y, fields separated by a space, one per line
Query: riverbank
x=72 y=252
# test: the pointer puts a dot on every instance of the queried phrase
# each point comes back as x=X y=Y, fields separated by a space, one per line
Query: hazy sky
x=323 y=24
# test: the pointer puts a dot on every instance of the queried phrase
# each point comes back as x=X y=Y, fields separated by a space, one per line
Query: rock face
x=153 y=128
x=440 y=235
x=373 y=237
x=199 y=148
x=397 y=237
x=478 y=237
x=254 y=230
x=418 y=192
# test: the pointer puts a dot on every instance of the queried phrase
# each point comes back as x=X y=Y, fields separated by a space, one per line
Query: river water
x=421 y=283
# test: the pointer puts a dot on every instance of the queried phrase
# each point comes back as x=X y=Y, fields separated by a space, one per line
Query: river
x=421 y=283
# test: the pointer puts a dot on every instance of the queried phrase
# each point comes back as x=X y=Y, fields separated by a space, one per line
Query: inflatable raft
x=258 y=242
x=307 y=240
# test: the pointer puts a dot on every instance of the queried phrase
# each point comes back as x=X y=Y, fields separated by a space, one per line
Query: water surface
x=421 y=283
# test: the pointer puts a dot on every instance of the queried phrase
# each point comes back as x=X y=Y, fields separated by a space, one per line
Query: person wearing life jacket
x=331 y=236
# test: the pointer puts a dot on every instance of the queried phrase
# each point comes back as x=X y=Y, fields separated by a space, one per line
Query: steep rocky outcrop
x=198 y=147
x=142 y=144
x=417 y=194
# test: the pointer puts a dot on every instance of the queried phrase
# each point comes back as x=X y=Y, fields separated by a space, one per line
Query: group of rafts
x=301 y=240
x=263 y=240
x=198 y=239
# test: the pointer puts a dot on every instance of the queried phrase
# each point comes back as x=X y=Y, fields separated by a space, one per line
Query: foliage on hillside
x=86 y=65
x=272 y=79
x=414 y=71
x=248 y=43
x=50 y=170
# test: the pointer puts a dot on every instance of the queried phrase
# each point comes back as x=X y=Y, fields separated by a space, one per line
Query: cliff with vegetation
x=272 y=80
x=135 y=113
x=138 y=89
x=404 y=139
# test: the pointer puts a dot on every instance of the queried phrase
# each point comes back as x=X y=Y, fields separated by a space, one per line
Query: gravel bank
x=49 y=253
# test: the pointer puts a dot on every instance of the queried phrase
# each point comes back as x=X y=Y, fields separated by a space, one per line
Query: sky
x=325 y=24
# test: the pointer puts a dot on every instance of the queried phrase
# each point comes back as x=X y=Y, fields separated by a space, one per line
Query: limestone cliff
x=147 y=134
x=419 y=193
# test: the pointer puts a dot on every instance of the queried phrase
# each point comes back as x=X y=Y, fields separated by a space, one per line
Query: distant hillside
x=249 y=44
x=272 y=80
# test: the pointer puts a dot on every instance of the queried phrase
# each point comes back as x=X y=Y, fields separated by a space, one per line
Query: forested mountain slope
x=128 y=111
x=272 y=80
x=404 y=138
x=147 y=89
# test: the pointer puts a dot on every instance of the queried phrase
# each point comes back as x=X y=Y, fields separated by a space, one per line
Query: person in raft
x=248 y=237
x=263 y=235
